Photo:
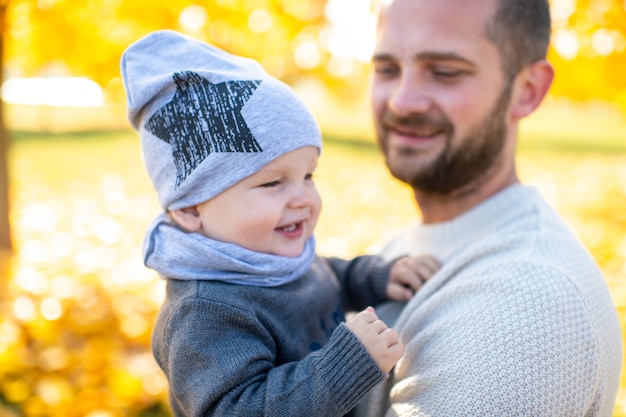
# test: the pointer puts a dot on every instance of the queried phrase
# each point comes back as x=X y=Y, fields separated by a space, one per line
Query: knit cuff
x=378 y=278
x=348 y=370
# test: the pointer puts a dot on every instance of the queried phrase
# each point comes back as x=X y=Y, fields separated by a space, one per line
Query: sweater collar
x=445 y=239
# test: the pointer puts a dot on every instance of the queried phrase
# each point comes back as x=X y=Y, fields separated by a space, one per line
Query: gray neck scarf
x=177 y=254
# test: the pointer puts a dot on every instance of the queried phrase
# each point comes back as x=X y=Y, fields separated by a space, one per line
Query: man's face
x=438 y=93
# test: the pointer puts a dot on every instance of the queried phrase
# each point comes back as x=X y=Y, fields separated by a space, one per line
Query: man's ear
x=188 y=218
x=530 y=87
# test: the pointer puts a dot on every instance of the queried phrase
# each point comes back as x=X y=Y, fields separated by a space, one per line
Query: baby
x=253 y=320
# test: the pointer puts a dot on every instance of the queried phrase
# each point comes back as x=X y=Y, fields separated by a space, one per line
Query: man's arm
x=512 y=341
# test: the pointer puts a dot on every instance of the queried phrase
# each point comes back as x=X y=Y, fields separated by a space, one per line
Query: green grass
x=566 y=127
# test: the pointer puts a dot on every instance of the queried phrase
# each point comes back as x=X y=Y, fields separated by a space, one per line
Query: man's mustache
x=416 y=121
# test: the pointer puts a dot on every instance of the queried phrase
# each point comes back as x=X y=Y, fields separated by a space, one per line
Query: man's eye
x=385 y=70
x=448 y=75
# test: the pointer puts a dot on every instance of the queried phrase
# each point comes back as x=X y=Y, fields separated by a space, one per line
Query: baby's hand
x=408 y=274
x=382 y=342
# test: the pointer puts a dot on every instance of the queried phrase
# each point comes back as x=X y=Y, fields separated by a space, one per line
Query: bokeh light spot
x=24 y=308
x=51 y=309
x=63 y=287
x=260 y=21
x=603 y=42
x=52 y=391
x=34 y=251
x=307 y=55
x=31 y=280
x=566 y=44
x=39 y=217
x=154 y=384
x=9 y=335
x=351 y=30
x=53 y=358
x=108 y=230
x=192 y=18
x=134 y=325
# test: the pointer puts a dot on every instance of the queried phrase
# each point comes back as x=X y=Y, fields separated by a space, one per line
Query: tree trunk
x=5 y=227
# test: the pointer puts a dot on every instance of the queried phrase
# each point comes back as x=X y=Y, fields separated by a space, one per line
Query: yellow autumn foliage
x=293 y=40
x=78 y=305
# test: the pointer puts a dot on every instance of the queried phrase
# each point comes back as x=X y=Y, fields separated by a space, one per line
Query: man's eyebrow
x=382 y=57
x=426 y=56
x=442 y=56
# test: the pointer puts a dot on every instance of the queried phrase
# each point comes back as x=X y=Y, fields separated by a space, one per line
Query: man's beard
x=456 y=167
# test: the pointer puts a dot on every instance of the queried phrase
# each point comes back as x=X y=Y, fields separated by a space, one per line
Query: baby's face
x=273 y=211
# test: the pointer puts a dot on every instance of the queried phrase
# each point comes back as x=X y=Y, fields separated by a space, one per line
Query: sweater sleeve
x=220 y=361
x=513 y=341
x=363 y=280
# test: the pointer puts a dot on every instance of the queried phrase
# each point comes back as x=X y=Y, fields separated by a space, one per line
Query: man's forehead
x=478 y=11
x=441 y=25
x=452 y=5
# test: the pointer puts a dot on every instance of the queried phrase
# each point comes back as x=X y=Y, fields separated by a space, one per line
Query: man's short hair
x=521 y=31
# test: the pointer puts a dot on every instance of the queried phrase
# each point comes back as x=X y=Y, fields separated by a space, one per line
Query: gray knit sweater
x=234 y=350
x=518 y=322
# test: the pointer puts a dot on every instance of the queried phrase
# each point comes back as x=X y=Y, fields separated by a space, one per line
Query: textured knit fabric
x=174 y=253
x=518 y=322
x=207 y=119
x=234 y=350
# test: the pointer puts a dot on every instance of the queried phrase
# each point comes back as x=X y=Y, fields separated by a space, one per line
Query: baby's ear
x=188 y=218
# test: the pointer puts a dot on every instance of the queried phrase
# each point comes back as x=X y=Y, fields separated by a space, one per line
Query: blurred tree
x=589 y=50
x=290 y=38
x=87 y=37
x=5 y=230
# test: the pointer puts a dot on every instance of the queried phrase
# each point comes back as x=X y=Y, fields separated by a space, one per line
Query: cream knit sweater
x=518 y=322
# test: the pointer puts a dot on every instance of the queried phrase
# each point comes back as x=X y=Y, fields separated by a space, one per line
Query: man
x=519 y=321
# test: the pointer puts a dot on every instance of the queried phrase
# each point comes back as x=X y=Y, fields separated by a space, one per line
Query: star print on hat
x=203 y=118
x=207 y=119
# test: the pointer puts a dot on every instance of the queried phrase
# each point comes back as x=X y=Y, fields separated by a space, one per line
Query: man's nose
x=409 y=95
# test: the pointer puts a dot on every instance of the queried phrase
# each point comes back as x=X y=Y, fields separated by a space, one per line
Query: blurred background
x=76 y=303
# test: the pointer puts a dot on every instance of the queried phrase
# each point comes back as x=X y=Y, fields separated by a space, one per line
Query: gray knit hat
x=207 y=119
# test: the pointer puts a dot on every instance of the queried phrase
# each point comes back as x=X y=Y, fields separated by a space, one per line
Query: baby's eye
x=308 y=176
x=271 y=184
